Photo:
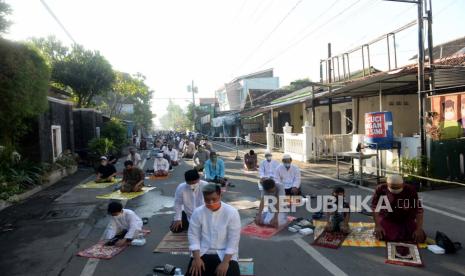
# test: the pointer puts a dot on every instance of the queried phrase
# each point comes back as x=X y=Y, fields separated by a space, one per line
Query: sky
x=213 y=41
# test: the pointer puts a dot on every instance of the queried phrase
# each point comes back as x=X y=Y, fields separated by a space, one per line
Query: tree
x=115 y=131
x=175 y=118
x=24 y=79
x=86 y=72
x=52 y=48
x=299 y=84
x=198 y=113
x=5 y=10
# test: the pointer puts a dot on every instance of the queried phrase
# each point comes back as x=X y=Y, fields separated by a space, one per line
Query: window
x=56 y=141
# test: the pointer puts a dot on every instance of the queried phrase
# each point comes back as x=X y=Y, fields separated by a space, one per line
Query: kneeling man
x=161 y=166
x=125 y=225
x=214 y=233
x=187 y=198
x=399 y=217
x=133 y=178
x=270 y=215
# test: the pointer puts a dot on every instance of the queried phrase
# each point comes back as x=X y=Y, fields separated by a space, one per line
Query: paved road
x=284 y=254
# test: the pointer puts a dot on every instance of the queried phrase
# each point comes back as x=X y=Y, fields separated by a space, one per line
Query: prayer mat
x=102 y=251
x=264 y=232
x=246 y=267
x=244 y=204
x=173 y=243
x=331 y=240
x=361 y=234
x=122 y=196
x=406 y=254
x=153 y=177
x=96 y=185
x=249 y=172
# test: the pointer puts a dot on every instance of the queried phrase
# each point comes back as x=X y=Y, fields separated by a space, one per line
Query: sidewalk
x=449 y=200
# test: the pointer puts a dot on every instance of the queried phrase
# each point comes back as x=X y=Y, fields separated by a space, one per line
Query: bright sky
x=212 y=41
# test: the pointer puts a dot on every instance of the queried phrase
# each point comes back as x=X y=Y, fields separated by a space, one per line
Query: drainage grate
x=67 y=213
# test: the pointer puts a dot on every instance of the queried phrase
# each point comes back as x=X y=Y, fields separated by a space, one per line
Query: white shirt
x=173 y=154
x=268 y=169
x=129 y=221
x=187 y=199
x=136 y=159
x=289 y=178
x=161 y=164
x=181 y=145
x=218 y=231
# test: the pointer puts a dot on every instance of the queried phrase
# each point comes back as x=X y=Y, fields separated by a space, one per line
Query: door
x=283 y=118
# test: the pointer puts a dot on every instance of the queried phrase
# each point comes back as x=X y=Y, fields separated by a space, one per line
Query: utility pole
x=330 y=100
x=429 y=14
x=193 y=89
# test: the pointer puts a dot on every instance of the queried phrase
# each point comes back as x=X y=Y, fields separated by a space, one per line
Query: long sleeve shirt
x=215 y=232
x=268 y=169
x=289 y=178
x=211 y=171
x=161 y=164
x=129 y=221
x=136 y=159
x=186 y=199
x=200 y=157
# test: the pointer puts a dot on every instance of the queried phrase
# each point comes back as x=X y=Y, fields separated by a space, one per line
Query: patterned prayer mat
x=96 y=185
x=102 y=251
x=361 y=234
x=173 y=243
x=406 y=254
x=122 y=196
x=331 y=240
x=264 y=232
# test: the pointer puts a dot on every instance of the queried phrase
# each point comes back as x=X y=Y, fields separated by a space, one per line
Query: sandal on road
x=166 y=269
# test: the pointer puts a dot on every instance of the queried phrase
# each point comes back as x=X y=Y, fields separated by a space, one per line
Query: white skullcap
x=394 y=179
x=159 y=155
x=267 y=152
x=287 y=156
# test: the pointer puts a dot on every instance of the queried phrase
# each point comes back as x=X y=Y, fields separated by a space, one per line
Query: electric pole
x=193 y=89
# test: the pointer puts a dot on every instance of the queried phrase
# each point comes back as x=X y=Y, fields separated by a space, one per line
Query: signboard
x=447 y=118
x=375 y=125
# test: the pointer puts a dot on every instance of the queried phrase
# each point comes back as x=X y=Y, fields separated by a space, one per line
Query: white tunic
x=136 y=159
x=173 y=154
x=215 y=232
x=187 y=199
x=268 y=169
x=127 y=221
x=161 y=164
x=289 y=178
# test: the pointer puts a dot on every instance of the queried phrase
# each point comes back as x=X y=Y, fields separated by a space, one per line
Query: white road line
x=432 y=209
x=91 y=265
x=322 y=260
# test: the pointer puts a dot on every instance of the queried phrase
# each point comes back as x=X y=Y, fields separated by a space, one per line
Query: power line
x=57 y=20
x=310 y=33
x=269 y=34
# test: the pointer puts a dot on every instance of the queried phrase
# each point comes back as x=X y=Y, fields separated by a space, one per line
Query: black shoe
x=166 y=269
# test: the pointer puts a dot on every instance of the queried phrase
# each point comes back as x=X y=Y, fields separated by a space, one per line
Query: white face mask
x=268 y=158
x=395 y=191
x=449 y=116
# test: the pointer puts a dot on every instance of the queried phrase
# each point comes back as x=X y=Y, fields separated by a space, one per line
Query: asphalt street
x=53 y=251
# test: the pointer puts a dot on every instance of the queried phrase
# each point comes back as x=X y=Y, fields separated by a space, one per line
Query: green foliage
x=175 y=118
x=115 y=131
x=24 y=80
x=67 y=159
x=51 y=48
x=5 y=10
x=101 y=146
x=298 y=84
x=412 y=167
x=189 y=116
x=86 y=72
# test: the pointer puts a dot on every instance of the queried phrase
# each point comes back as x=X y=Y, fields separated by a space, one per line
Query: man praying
x=187 y=197
x=161 y=166
x=397 y=212
x=214 y=170
x=250 y=161
x=214 y=234
x=106 y=171
x=270 y=215
x=133 y=178
x=289 y=176
x=124 y=227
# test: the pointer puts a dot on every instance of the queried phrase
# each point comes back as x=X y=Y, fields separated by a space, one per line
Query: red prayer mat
x=264 y=232
x=406 y=254
x=102 y=251
x=331 y=240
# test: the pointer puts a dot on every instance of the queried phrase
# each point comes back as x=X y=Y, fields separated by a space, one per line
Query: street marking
x=445 y=213
x=322 y=260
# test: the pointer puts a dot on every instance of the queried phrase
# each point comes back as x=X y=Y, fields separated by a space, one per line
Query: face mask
x=213 y=159
x=287 y=165
x=214 y=206
x=119 y=215
x=395 y=191
x=449 y=116
x=194 y=186
x=268 y=158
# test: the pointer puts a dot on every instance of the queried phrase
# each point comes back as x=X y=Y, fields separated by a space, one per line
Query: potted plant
x=68 y=160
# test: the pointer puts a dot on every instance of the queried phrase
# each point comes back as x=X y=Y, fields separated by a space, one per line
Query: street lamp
x=194 y=89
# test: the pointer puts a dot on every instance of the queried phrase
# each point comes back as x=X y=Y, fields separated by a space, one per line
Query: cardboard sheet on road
x=263 y=232
x=361 y=234
x=122 y=196
x=173 y=243
x=244 y=204
x=95 y=185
